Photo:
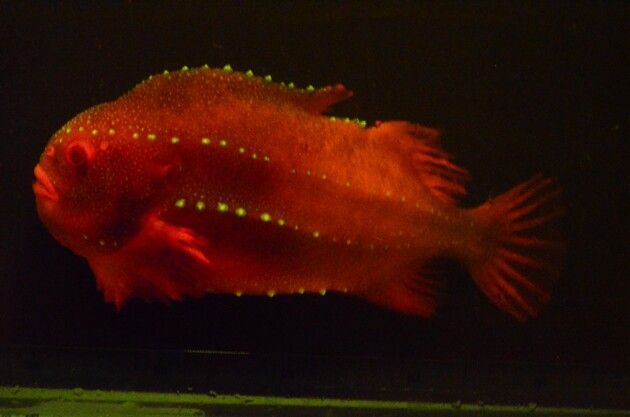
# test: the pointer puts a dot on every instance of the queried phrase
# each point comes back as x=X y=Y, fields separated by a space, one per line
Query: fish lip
x=43 y=186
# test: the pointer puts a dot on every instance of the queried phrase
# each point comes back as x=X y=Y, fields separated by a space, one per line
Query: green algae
x=41 y=402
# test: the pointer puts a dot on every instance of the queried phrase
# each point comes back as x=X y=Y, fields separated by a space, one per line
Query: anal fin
x=414 y=293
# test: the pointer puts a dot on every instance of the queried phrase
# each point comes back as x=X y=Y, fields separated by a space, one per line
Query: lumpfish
x=215 y=181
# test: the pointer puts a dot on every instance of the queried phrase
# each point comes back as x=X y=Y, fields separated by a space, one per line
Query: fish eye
x=78 y=155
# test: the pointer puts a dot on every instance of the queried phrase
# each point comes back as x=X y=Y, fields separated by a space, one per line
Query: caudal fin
x=524 y=254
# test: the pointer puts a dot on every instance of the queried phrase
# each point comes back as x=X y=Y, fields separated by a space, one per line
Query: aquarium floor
x=42 y=402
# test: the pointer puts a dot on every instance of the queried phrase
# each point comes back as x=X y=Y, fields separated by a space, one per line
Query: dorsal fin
x=217 y=84
x=421 y=144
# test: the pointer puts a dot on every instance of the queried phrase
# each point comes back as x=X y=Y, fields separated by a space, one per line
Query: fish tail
x=521 y=253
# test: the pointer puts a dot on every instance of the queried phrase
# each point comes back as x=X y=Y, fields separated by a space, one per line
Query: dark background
x=540 y=87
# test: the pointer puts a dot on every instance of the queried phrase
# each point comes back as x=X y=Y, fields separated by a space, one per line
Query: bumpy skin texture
x=210 y=180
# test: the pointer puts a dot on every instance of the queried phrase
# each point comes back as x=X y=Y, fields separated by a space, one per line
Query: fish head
x=88 y=190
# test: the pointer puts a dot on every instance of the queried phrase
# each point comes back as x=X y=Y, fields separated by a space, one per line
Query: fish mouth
x=43 y=186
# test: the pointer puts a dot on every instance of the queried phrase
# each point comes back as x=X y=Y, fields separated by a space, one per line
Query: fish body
x=214 y=181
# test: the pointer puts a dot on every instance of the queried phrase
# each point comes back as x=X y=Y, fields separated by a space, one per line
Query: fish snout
x=43 y=186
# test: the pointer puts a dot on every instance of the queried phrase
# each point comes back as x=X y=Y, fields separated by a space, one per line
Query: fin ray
x=525 y=255
x=420 y=145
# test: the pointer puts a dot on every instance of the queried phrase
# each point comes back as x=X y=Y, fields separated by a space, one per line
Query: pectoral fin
x=163 y=261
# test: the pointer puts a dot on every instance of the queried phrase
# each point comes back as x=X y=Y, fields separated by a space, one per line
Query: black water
x=517 y=89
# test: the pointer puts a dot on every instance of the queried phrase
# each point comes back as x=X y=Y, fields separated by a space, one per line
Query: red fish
x=215 y=181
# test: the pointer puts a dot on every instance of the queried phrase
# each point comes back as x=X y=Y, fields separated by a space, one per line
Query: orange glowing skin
x=211 y=180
